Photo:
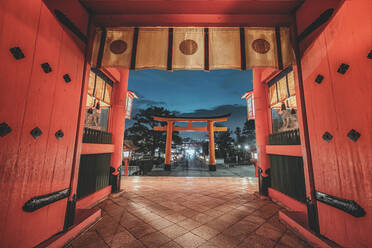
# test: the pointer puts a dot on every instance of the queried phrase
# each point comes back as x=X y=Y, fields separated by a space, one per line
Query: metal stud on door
x=5 y=129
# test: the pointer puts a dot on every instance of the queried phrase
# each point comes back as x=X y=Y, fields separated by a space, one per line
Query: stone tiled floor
x=189 y=212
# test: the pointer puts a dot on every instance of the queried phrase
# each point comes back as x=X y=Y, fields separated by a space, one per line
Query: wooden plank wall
x=30 y=98
x=342 y=102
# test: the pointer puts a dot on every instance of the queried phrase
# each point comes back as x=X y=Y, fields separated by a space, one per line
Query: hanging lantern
x=248 y=96
x=128 y=109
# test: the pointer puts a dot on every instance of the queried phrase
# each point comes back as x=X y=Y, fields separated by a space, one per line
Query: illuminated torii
x=210 y=128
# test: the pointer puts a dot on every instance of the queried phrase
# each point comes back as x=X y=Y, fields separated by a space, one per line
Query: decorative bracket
x=327 y=137
x=17 y=53
x=36 y=132
x=38 y=202
x=348 y=206
x=46 y=67
x=353 y=135
x=5 y=129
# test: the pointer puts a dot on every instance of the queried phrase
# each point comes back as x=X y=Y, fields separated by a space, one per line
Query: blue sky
x=193 y=93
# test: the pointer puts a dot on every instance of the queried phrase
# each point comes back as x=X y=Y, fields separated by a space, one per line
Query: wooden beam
x=201 y=20
x=192 y=119
x=202 y=129
x=288 y=150
x=89 y=148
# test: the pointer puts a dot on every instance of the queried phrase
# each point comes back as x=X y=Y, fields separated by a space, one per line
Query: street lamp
x=246 y=147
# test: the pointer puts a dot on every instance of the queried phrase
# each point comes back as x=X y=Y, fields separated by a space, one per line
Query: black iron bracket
x=369 y=56
x=5 y=129
x=38 y=202
x=17 y=53
x=348 y=206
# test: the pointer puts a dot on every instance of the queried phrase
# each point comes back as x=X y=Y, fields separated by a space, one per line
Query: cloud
x=140 y=103
x=218 y=110
x=237 y=118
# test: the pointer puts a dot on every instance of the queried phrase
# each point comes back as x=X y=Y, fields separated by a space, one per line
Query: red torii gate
x=210 y=128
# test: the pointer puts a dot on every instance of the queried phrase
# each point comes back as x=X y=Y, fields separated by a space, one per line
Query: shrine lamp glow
x=248 y=96
x=128 y=108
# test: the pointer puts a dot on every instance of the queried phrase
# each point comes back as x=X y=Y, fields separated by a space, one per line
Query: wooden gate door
x=38 y=116
x=341 y=103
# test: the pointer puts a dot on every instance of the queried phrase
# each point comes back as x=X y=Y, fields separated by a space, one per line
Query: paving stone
x=174 y=231
x=189 y=240
x=155 y=239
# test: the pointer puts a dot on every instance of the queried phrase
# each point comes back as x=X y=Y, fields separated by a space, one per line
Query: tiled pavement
x=189 y=212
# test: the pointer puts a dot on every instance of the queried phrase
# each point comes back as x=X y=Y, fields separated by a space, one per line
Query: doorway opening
x=190 y=94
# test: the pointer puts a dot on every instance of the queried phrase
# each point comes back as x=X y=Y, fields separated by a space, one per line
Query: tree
x=239 y=136
x=224 y=143
x=142 y=132
x=249 y=131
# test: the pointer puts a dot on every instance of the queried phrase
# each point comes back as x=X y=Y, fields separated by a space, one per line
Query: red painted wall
x=30 y=98
x=340 y=103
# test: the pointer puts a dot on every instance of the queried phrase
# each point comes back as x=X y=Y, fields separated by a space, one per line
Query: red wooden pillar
x=212 y=157
x=118 y=127
x=168 y=146
x=262 y=129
